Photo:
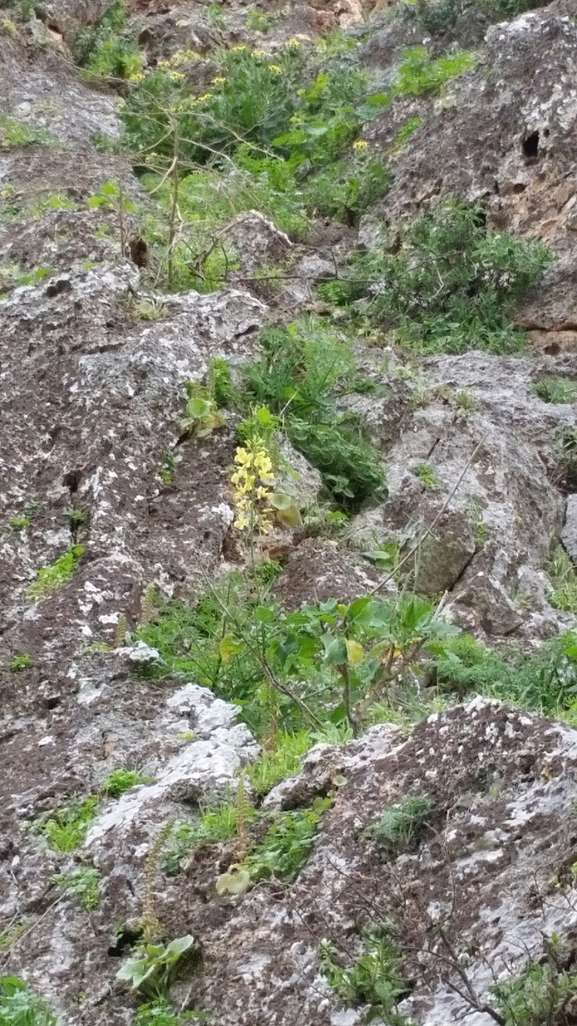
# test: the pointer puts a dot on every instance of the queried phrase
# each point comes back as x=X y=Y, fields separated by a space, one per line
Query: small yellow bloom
x=239 y=48
x=175 y=75
x=136 y=76
x=276 y=68
x=293 y=44
x=218 y=80
x=360 y=146
x=205 y=96
x=259 y=53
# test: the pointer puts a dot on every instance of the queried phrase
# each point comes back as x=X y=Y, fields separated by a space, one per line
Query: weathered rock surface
x=93 y=374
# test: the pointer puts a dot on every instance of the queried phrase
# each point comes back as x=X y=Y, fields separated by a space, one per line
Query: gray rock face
x=93 y=454
x=501 y=788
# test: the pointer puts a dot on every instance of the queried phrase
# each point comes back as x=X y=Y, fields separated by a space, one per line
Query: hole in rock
x=519 y=187
x=71 y=480
x=531 y=146
x=125 y=939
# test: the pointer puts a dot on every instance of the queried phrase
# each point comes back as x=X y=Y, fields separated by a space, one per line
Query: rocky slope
x=112 y=503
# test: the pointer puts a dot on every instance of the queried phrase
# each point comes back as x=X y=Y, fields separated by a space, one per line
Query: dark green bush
x=453 y=285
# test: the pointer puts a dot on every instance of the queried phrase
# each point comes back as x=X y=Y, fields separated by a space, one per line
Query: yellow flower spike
x=218 y=80
x=205 y=96
x=293 y=44
x=275 y=68
x=360 y=146
x=239 y=47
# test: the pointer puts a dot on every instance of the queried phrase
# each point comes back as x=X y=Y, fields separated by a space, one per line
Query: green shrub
x=67 y=828
x=15 y=133
x=545 y=682
x=107 y=48
x=19 y=1007
x=122 y=780
x=540 y=994
x=287 y=844
x=420 y=73
x=454 y=283
x=372 y=978
x=303 y=371
x=434 y=16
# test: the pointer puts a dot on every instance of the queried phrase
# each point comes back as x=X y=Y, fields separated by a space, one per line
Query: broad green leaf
x=335 y=651
x=180 y=944
x=197 y=408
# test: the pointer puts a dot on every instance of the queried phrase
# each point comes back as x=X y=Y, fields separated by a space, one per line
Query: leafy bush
x=420 y=73
x=301 y=375
x=434 y=16
x=107 y=48
x=287 y=844
x=66 y=829
x=541 y=993
x=454 y=283
x=373 y=978
x=545 y=682
x=19 y=1007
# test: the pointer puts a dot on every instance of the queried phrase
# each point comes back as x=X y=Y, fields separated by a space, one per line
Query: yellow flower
x=239 y=48
x=205 y=96
x=136 y=76
x=360 y=146
x=175 y=75
x=218 y=80
x=276 y=68
x=293 y=44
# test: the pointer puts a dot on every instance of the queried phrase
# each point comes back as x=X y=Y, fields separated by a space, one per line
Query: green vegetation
x=215 y=823
x=562 y=573
x=400 y=826
x=152 y=967
x=290 y=672
x=21 y=662
x=81 y=884
x=66 y=829
x=257 y=22
x=302 y=374
x=50 y=578
x=287 y=844
x=372 y=978
x=284 y=760
x=420 y=73
x=542 y=992
x=554 y=389
x=452 y=286
x=15 y=134
x=19 y=1007
x=427 y=476
x=107 y=48
x=161 y=1013
x=122 y=780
